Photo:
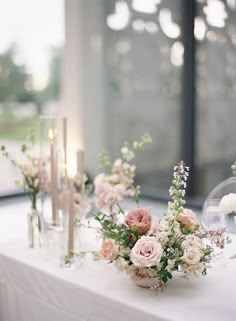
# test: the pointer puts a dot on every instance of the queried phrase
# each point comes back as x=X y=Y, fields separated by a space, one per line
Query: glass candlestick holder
x=53 y=152
x=71 y=202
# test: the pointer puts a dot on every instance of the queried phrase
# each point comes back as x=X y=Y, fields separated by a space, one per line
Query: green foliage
x=12 y=128
x=14 y=80
x=233 y=167
x=104 y=160
x=16 y=84
x=128 y=151
x=118 y=232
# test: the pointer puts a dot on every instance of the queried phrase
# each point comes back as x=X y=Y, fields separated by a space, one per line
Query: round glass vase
x=224 y=194
x=35 y=228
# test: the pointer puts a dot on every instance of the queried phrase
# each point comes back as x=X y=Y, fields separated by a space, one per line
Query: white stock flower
x=228 y=203
x=118 y=162
x=170 y=266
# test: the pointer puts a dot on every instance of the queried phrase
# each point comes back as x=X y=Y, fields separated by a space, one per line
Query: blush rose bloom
x=188 y=219
x=192 y=255
x=146 y=252
x=141 y=218
x=109 y=250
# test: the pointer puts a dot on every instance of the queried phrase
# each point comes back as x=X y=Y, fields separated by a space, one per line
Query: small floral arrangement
x=117 y=180
x=150 y=252
x=34 y=175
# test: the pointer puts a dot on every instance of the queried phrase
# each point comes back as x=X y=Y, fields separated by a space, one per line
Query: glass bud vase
x=35 y=228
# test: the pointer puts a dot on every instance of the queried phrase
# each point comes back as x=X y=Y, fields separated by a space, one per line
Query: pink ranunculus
x=109 y=250
x=188 y=219
x=140 y=218
x=146 y=252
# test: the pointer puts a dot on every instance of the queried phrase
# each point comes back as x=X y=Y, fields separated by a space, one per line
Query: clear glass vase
x=36 y=228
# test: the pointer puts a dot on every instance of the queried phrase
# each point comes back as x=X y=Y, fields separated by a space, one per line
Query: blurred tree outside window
x=31 y=43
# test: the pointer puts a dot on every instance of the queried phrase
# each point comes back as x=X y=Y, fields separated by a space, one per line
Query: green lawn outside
x=16 y=129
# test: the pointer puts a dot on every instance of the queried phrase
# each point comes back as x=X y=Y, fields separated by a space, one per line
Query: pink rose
x=109 y=250
x=146 y=252
x=188 y=219
x=140 y=218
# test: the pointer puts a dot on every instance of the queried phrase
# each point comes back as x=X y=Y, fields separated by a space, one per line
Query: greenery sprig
x=233 y=167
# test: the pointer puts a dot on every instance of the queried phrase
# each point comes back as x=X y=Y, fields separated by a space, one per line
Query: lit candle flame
x=50 y=134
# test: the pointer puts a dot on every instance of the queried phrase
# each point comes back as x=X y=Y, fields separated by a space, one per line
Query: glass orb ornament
x=221 y=204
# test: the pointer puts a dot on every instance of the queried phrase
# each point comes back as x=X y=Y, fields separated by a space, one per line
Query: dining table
x=34 y=287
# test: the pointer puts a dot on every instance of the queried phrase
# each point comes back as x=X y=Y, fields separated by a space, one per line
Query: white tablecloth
x=34 y=288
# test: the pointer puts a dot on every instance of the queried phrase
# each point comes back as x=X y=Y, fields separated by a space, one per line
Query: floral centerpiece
x=150 y=252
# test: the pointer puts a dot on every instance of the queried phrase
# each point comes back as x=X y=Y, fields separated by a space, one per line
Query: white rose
x=192 y=240
x=192 y=255
x=228 y=203
x=194 y=269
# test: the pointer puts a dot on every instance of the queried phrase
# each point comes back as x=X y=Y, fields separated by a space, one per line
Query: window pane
x=144 y=58
x=31 y=41
x=215 y=32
